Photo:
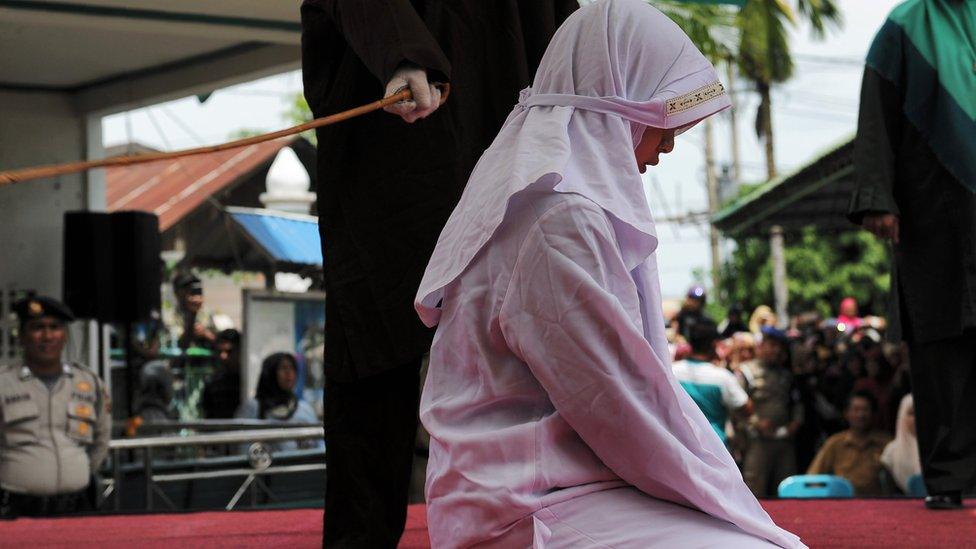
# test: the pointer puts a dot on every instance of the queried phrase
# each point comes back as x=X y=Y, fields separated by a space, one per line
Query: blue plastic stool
x=815 y=486
x=916 y=487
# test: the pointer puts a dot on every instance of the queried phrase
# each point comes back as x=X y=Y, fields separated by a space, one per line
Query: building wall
x=39 y=128
x=42 y=128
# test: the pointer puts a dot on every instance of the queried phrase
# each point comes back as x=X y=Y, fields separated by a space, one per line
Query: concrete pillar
x=780 y=293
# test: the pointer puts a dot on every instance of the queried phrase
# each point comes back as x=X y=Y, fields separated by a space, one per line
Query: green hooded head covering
x=927 y=49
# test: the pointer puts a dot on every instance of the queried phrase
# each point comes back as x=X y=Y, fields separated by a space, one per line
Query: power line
x=829 y=59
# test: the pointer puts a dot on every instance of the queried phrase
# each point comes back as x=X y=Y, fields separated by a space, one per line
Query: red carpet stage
x=824 y=523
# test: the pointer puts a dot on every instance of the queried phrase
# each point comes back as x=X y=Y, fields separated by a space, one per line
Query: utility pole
x=780 y=290
x=711 y=179
x=734 y=130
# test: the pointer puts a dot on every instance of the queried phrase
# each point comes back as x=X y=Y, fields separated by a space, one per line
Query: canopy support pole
x=780 y=293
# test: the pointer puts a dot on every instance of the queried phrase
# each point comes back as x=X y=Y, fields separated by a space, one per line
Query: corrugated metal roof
x=284 y=238
x=171 y=189
x=815 y=194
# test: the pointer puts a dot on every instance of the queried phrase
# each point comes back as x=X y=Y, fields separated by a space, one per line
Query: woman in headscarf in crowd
x=762 y=317
x=900 y=456
x=275 y=400
x=555 y=420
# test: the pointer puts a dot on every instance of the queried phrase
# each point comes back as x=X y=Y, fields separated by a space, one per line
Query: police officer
x=55 y=419
x=770 y=455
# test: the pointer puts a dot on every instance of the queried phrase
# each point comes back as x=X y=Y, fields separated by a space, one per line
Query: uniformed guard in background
x=55 y=420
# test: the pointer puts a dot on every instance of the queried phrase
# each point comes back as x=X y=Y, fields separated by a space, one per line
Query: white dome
x=287 y=173
x=287 y=184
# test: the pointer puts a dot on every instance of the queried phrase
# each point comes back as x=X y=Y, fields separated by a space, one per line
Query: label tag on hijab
x=695 y=98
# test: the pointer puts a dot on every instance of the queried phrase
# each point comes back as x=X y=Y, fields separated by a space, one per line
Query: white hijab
x=900 y=456
x=620 y=58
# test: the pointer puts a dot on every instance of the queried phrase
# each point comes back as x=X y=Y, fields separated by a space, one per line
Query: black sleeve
x=879 y=128
x=385 y=33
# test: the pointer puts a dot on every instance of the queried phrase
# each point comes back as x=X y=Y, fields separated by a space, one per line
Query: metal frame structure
x=113 y=487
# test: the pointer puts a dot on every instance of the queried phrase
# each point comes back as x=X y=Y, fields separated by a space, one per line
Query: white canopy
x=115 y=54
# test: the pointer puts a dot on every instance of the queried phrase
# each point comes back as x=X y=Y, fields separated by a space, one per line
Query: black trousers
x=14 y=505
x=944 y=388
x=370 y=431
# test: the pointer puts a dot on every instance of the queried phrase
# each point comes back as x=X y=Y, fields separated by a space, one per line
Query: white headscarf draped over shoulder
x=900 y=456
x=612 y=69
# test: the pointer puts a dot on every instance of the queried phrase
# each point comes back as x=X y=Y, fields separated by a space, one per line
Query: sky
x=814 y=111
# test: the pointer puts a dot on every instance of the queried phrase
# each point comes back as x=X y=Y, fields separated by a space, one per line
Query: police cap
x=34 y=307
x=188 y=282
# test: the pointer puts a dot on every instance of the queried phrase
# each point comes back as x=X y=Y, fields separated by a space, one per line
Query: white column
x=780 y=292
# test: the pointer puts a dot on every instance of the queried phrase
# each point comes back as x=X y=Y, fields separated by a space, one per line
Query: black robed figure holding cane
x=386 y=187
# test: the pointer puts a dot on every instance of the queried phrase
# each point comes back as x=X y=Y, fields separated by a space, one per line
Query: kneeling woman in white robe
x=554 y=417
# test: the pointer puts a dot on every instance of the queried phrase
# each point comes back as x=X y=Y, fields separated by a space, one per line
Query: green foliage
x=764 y=55
x=299 y=113
x=764 y=48
x=711 y=27
x=243 y=133
x=821 y=270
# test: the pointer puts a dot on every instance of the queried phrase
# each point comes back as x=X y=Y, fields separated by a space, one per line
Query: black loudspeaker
x=111 y=265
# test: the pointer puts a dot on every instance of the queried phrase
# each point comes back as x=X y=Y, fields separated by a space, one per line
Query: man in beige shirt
x=855 y=454
x=55 y=419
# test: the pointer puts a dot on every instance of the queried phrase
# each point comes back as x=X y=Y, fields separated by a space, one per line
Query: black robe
x=934 y=271
x=387 y=187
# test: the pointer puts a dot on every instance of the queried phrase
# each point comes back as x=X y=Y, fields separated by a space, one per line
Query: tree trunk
x=767 y=129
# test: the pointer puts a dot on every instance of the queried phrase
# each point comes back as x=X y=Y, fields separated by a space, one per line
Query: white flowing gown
x=547 y=406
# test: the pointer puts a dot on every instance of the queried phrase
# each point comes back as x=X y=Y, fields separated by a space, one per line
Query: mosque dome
x=287 y=184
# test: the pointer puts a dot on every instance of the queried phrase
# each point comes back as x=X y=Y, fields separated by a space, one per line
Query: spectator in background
x=743 y=349
x=900 y=457
x=154 y=401
x=692 y=310
x=222 y=393
x=769 y=453
x=855 y=454
x=848 y=315
x=191 y=330
x=877 y=378
x=275 y=400
x=714 y=389
x=734 y=322
x=817 y=411
x=762 y=317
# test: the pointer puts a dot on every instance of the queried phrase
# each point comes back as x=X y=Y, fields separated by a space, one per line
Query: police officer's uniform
x=51 y=440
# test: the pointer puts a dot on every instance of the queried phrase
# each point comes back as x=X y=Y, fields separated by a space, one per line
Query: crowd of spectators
x=198 y=333
x=824 y=396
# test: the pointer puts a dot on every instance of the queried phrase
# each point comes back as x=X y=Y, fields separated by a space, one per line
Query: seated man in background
x=222 y=393
x=855 y=454
x=714 y=389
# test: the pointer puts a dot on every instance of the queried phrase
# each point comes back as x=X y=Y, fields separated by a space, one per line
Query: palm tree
x=711 y=26
x=764 y=52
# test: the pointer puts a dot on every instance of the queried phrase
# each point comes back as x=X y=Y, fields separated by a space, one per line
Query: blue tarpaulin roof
x=284 y=238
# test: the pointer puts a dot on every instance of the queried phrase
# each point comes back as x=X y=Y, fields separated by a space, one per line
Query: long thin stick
x=26 y=174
